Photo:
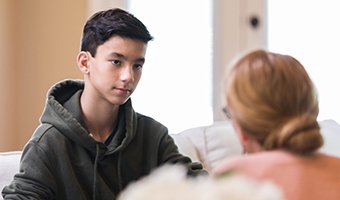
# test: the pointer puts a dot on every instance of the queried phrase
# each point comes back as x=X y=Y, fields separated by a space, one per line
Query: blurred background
x=194 y=42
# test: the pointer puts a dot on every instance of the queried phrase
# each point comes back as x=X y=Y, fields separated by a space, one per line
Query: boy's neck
x=99 y=127
x=100 y=119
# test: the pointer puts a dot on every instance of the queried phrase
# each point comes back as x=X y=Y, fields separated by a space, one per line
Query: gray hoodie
x=62 y=161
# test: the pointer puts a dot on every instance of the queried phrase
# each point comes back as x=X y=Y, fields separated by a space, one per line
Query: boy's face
x=113 y=74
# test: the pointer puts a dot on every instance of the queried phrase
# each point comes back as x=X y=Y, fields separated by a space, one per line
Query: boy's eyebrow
x=117 y=55
x=141 y=59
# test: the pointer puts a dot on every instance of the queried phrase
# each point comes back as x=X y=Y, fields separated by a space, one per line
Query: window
x=309 y=31
x=176 y=85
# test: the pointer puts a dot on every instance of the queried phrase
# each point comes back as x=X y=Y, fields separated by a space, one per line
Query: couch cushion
x=209 y=144
x=186 y=147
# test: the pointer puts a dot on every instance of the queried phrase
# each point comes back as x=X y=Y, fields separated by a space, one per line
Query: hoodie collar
x=63 y=111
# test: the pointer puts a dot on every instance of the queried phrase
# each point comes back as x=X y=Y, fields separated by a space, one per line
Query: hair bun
x=300 y=134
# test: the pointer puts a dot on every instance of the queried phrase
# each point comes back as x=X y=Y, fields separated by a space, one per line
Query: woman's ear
x=83 y=60
x=249 y=143
x=243 y=137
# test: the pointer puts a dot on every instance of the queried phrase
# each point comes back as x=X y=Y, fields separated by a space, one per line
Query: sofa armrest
x=9 y=166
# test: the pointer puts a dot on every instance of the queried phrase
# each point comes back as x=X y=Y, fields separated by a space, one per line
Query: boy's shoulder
x=40 y=131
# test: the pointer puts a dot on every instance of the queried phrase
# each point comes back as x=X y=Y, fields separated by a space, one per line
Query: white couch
x=211 y=144
x=206 y=144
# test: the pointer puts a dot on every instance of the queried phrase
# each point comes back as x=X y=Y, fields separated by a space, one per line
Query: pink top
x=313 y=177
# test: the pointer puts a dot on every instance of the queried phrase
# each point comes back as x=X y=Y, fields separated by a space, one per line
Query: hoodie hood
x=63 y=111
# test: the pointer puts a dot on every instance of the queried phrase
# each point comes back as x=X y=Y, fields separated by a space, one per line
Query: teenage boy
x=91 y=143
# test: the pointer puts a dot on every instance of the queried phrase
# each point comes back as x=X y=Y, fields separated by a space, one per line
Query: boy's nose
x=126 y=74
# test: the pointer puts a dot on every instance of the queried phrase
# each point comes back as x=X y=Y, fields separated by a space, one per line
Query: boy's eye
x=137 y=66
x=115 y=62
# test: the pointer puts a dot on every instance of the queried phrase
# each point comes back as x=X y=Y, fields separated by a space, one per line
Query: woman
x=273 y=106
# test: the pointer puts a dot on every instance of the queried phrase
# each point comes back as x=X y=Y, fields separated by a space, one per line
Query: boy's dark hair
x=104 y=24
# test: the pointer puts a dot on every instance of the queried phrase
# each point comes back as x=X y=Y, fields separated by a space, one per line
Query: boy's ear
x=83 y=60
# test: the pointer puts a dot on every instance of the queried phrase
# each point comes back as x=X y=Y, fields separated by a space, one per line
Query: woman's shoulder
x=275 y=160
x=261 y=159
